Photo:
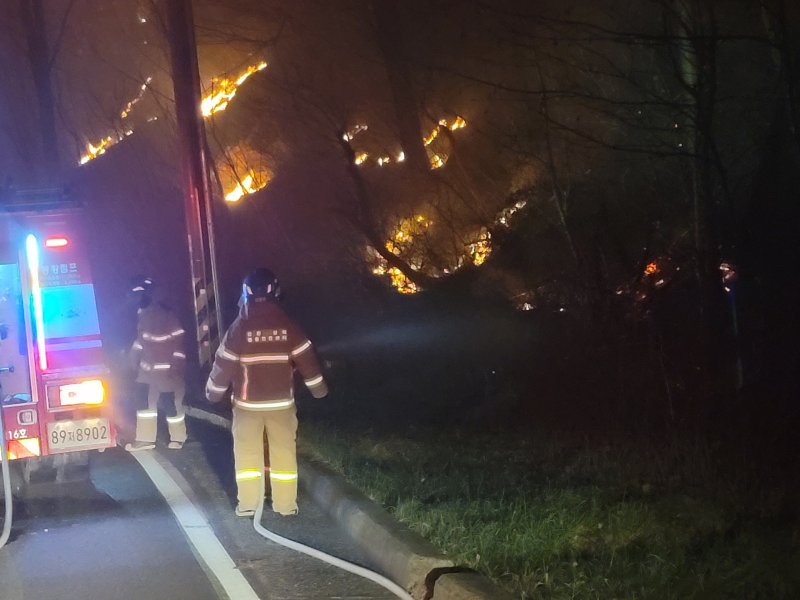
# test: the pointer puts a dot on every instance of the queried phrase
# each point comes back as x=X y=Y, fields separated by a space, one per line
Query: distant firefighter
x=159 y=357
x=258 y=356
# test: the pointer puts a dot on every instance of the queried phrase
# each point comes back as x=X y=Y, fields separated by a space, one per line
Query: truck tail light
x=23 y=448
x=91 y=391
x=56 y=242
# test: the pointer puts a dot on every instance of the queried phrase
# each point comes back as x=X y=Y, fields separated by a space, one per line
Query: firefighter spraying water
x=258 y=355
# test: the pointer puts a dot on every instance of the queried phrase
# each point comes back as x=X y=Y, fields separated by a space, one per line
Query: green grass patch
x=556 y=518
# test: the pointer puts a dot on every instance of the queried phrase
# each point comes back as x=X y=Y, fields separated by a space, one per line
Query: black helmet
x=142 y=284
x=141 y=290
x=261 y=284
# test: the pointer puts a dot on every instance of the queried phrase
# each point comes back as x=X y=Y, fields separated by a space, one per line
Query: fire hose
x=7 y=498
x=320 y=555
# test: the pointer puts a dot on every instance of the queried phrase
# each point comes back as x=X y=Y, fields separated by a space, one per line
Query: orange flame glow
x=223 y=91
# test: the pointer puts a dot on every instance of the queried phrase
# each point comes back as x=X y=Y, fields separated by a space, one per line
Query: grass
x=549 y=517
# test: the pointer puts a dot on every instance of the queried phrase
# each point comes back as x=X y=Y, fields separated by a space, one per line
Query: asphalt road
x=113 y=536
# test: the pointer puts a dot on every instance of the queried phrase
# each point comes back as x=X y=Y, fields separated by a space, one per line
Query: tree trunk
x=406 y=106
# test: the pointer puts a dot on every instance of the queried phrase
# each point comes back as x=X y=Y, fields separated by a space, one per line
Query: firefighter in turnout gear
x=258 y=356
x=160 y=361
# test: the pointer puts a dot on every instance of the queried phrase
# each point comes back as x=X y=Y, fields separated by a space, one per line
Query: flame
x=428 y=139
x=481 y=248
x=93 y=151
x=651 y=268
x=129 y=106
x=242 y=172
x=504 y=218
x=402 y=283
x=100 y=147
x=243 y=187
x=223 y=91
x=348 y=136
x=404 y=243
x=458 y=123
x=437 y=160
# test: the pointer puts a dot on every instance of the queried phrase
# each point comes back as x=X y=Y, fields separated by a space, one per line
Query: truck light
x=32 y=252
x=90 y=391
x=24 y=448
x=56 y=242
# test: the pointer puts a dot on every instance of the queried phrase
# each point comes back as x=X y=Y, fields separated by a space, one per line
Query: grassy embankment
x=557 y=518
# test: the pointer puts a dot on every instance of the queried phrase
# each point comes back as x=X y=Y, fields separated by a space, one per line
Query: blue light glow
x=32 y=254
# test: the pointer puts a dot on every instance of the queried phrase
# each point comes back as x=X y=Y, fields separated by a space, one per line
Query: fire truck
x=53 y=380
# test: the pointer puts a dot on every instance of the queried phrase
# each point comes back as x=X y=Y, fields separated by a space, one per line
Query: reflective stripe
x=248 y=474
x=138 y=288
x=314 y=381
x=137 y=346
x=270 y=405
x=150 y=337
x=177 y=419
x=301 y=348
x=145 y=366
x=283 y=475
x=178 y=355
x=147 y=414
x=177 y=332
x=162 y=366
x=210 y=385
x=265 y=358
x=223 y=352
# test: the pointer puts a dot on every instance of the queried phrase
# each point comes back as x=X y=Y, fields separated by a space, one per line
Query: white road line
x=198 y=531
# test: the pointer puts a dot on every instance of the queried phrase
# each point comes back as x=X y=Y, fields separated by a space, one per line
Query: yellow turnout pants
x=147 y=420
x=248 y=454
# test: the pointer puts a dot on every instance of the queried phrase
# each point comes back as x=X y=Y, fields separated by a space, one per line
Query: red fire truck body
x=53 y=380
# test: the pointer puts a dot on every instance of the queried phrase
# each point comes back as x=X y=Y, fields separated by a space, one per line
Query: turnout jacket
x=258 y=356
x=158 y=351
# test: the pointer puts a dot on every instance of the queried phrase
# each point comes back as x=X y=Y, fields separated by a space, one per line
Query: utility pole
x=199 y=206
x=33 y=20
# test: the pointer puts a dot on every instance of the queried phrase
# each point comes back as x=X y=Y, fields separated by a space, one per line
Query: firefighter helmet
x=261 y=284
x=141 y=290
x=142 y=284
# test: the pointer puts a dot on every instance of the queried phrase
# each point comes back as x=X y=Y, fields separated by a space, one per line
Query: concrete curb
x=406 y=558
x=402 y=555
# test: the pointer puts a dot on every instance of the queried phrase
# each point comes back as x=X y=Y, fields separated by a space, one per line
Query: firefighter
x=158 y=356
x=258 y=356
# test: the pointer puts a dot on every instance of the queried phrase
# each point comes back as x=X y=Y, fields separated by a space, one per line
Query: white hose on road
x=7 y=497
x=320 y=555
x=382 y=581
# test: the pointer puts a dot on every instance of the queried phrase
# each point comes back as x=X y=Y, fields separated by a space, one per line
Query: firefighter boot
x=137 y=446
x=177 y=423
x=146 y=423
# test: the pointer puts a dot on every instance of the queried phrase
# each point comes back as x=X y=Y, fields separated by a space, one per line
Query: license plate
x=82 y=433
